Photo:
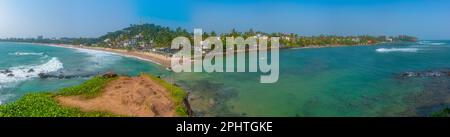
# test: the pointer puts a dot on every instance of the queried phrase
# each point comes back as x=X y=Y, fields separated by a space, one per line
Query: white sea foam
x=23 y=73
x=27 y=54
x=439 y=43
x=101 y=59
x=93 y=52
x=387 y=50
x=431 y=43
x=417 y=46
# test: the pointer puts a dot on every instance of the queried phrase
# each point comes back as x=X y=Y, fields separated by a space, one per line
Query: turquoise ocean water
x=341 y=81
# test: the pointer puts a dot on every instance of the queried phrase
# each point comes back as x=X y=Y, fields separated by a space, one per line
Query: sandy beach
x=146 y=56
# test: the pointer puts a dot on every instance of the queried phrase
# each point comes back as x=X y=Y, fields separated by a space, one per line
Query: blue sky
x=427 y=19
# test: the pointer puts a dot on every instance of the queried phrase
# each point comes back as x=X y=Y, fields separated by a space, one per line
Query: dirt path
x=137 y=96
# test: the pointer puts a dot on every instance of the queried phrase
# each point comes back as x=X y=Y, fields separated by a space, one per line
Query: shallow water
x=341 y=81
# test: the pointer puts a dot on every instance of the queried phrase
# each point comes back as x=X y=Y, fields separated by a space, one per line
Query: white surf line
x=98 y=50
x=387 y=50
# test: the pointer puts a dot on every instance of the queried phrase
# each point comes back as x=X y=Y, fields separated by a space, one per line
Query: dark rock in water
x=432 y=74
x=109 y=75
x=158 y=77
x=409 y=74
x=31 y=70
x=6 y=71
x=43 y=76
x=425 y=74
x=188 y=106
x=61 y=76
x=10 y=75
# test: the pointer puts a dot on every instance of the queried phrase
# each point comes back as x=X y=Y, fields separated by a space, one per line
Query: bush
x=43 y=105
x=443 y=113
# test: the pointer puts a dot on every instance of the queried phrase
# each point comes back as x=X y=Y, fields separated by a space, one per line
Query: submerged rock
x=409 y=74
x=31 y=70
x=6 y=71
x=43 y=75
x=62 y=76
x=109 y=75
x=426 y=74
x=10 y=75
x=433 y=74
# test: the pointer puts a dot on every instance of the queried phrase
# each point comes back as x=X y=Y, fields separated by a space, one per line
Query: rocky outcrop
x=109 y=75
x=6 y=71
x=188 y=106
x=30 y=71
x=62 y=76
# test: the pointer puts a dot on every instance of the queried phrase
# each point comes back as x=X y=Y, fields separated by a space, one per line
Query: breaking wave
x=431 y=43
x=438 y=43
x=387 y=50
x=22 y=73
x=100 y=59
x=27 y=54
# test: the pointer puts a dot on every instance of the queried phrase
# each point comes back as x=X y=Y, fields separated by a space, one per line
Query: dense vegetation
x=443 y=113
x=147 y=36
x=45 y=105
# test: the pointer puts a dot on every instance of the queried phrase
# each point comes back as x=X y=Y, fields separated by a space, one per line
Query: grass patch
x=43 y=105
x=177 y=93
x=443 y=113
x=89 y=89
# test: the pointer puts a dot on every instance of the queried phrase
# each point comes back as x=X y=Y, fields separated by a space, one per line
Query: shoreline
x=144 y=56
x=165 y=61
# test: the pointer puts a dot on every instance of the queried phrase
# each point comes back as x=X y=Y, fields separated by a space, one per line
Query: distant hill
x=148 y=36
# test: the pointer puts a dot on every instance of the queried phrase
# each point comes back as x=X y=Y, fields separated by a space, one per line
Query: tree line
x=158 y=36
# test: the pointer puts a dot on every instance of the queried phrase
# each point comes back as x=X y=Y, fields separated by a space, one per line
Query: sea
x=391 y=79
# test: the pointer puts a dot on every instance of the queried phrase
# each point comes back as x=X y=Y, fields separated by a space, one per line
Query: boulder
x=409 y=74
x=432 y=74
x=31 y=70
x=109 y=75
x=6 y=71
x=43 y=75
x=10 y=75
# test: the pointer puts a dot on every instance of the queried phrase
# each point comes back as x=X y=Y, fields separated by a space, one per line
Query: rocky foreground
x=129 y=96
